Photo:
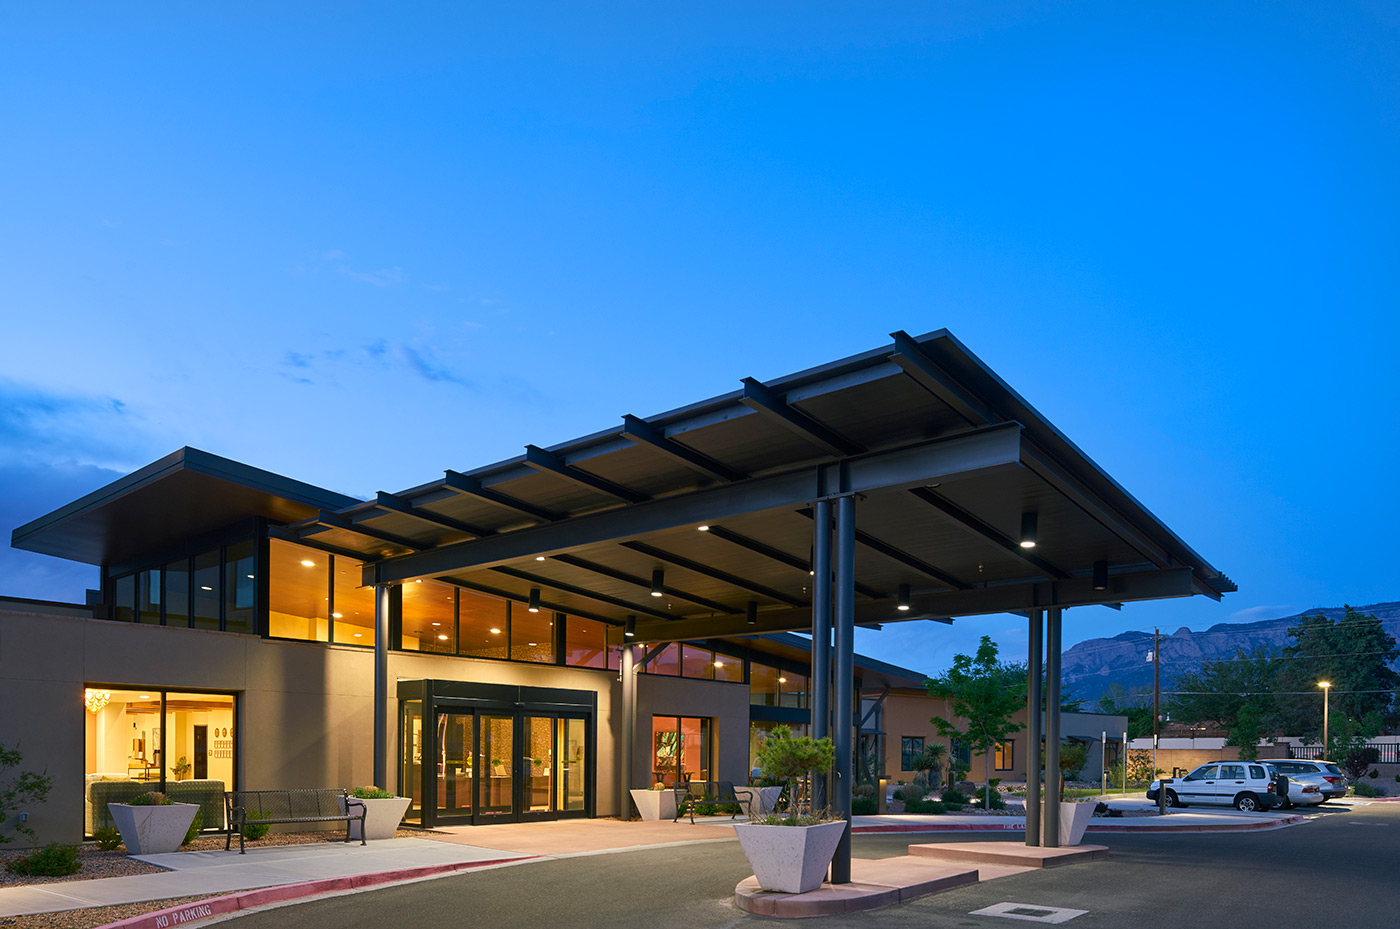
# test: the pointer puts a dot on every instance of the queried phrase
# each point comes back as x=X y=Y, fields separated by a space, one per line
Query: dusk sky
x=358 y=244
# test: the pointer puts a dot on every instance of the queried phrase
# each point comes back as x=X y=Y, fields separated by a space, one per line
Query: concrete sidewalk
x=199 y=873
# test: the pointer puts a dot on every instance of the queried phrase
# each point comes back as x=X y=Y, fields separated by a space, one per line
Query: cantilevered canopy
x=709 y=506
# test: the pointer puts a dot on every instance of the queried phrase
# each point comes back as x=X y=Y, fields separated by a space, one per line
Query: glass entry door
x=496 y=766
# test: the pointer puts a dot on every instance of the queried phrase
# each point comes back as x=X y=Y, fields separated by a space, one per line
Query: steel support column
x=821 y=638
x=843 y=682
x=1052 y=728
x=1033 y=729
x=628 y=672
x=381 y=688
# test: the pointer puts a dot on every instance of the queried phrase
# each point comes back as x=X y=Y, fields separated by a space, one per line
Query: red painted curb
x=215 y=906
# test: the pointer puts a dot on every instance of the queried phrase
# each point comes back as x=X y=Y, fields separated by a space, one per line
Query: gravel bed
x=99 y=864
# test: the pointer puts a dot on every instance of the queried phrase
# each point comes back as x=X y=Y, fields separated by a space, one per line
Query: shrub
x=864 y=790
x=924 y=807
x=152 y=798
x=910 y=793
x=864 y=806
x=196 y=827
x=370 y=793
x=953 y=796
x=784 y=758
x=254 y=831
x=1363 y=789
x=107 y=838
x=952 y=807
x=1374 y=774
x=53 y=860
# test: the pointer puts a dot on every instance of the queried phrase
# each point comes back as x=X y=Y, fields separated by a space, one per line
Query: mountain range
x=1088 y=668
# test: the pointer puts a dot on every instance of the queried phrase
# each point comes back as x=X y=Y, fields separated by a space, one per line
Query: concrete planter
x=1074 y=819
x=382 y=816
x=152 y=830
x=758 y=801
x=790 y=859
x=655 y=805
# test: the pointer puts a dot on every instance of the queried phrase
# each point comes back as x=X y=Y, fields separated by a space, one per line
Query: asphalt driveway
x=1337 y=869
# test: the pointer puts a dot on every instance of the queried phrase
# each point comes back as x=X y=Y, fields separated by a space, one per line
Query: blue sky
x=361 y=243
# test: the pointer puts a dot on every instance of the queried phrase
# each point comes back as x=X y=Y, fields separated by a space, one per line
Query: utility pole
x=1156 y=690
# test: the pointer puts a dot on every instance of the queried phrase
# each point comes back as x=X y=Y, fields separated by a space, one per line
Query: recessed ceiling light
x=418 y=581
x=308 y=563
x=532 y=644
x=539 y=558
x=337 y=615
x=719 y=664
x=357 y=635
x=443 y=637
x=437 y=624
x=782 y=680
x=703 y=528
x=495 y=631
x=205 y=587
x=145 y=697
x=250 y=577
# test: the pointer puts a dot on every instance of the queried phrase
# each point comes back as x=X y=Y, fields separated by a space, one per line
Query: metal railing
x=1386 y=752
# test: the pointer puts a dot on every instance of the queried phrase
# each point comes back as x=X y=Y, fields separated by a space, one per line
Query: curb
x=1092 y=827
x=216 y=906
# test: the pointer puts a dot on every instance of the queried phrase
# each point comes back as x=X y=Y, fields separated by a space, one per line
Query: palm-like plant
x=929 y=762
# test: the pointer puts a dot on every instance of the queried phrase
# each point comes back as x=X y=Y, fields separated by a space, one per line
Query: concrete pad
x=1010 y=853
x=572 y=836
x=875 y=883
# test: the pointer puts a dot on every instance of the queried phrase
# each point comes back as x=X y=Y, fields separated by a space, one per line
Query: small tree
x=980 y=692
x=1348 y=743
x=784 y=758
x=1246 y=732
x=19 y=790
x=929 y=762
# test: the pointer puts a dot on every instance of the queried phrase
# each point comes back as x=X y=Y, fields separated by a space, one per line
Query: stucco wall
x=726 y=703
x=305 y=714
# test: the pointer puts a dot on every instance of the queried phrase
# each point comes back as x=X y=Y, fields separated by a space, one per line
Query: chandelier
x=96 y=699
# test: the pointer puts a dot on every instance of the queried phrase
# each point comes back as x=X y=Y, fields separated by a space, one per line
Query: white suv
x=1245 y=785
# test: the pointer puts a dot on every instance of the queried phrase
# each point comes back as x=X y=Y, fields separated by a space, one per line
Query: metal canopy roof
x=182 y=496
x=944 y=455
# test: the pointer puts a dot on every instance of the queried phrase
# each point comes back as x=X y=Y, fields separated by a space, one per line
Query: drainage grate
x=1030 y=912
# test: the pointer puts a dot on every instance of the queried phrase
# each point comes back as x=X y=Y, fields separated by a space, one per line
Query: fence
x=1386 y=752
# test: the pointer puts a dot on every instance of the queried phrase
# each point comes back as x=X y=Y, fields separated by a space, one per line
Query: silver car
x=1324 y=775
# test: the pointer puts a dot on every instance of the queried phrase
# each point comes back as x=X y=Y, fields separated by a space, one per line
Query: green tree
x=985 y=694
x=784 y=758
x=1354 y=654
x=1247 y=731
x=1216 y=692
x=1347 y=742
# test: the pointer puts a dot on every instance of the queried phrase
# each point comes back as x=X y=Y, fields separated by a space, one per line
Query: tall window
x=585 y=643
x=138 y=740
x=680 y=749
x=910 y=748
x=240 y=588
x=1005 y=755
x=429 y=618
x=299 y=592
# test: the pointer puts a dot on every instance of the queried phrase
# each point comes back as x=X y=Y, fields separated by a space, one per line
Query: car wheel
x=1247 y=803
x=1171 y=799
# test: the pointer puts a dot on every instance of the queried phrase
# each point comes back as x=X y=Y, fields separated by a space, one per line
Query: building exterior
x=534 y=637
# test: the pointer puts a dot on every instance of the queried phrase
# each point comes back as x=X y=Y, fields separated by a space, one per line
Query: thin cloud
x=384 y=277
x=430 y=370
x=1256 y=614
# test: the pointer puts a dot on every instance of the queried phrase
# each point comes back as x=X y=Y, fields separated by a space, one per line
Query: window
x=1005 y=755
x=206 y=590
x=148 y=597
x=680 y=749
x=352 y=623
x=910 y=748
x=759 y=732
x=794 y=689
x=299 y=593
x=429 y=613
x=1232 y=772
x=585 y=643
x=138 y=740
x=763 y=684
x=729 y=669
x=240 y=588
x=531 y=634
x=697 y=662
x=177 y=593
x=124 y=598
x=483 y=626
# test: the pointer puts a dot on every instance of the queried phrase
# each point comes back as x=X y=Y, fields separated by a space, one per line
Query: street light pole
x=1326 y=692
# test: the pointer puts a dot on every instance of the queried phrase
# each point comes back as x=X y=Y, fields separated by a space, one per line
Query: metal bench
x=696 y=792
x=302 y=805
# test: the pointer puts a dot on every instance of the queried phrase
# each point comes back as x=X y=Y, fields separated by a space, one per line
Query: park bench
x=692 y=793
x=301 y=805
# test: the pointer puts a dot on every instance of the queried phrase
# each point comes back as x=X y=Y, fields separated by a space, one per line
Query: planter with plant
x=655 y=804
x=790 y=851
x=152 y=823
x=383 y=812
